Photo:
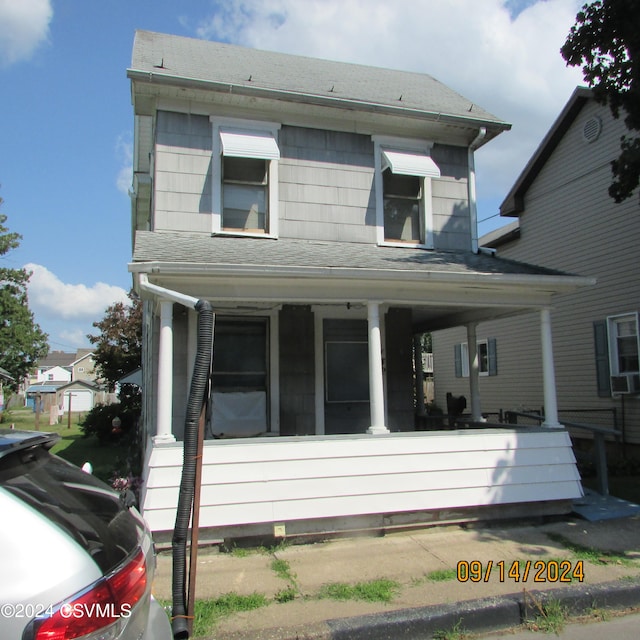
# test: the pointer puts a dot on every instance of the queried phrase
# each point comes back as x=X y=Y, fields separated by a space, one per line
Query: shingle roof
x=202 y=250
x=166 y=56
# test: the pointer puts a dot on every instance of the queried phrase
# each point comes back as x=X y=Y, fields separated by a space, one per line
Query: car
x=77 y=560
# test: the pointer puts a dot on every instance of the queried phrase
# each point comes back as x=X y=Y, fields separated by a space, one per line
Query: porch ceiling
x=443 y=289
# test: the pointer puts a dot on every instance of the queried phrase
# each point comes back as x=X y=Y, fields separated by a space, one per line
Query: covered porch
x=318 y=432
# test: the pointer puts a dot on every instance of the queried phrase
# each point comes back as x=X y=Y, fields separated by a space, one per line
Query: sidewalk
x=495 y=598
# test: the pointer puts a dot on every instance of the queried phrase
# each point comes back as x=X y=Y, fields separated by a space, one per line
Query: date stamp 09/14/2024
x=545 y=571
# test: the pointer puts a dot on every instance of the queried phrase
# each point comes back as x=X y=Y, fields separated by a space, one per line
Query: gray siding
x=451 y=222
x=569 y=223
x=326 y=184
x=297 y=371
x=182 y=178
x=399 y=369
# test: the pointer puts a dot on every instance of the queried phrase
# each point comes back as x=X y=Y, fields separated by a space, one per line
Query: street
x=625 y=627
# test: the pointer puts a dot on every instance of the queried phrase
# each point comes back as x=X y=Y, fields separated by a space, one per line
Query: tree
x=22 y=342
x=119 y=346
x=606 y=41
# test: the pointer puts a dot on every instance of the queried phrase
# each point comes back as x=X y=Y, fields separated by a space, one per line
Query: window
x=487 y=358
x=245 y=178
x=403 y=192
x=244 y=195
x=240 y=355
x=403 y=212
x=240 y=379
x=617 y=350
x=623 y=332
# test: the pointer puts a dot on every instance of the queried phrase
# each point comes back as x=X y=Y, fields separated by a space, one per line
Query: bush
x=113 y=422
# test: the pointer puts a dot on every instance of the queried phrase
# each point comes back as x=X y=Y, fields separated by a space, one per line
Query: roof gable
x=513 y=204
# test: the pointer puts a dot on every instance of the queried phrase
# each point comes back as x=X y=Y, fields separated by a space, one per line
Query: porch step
x=594 y=507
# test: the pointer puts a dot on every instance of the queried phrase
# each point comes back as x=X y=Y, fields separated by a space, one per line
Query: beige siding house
x=566 y=220
x=326 y=212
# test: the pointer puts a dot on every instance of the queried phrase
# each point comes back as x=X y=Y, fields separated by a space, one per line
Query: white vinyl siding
x=571 y=224
x=281 y=480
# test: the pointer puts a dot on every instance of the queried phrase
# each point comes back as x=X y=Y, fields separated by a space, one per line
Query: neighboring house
x=566 y=220
x=49 y=373
x=61 y=371
x=83 y=366
x=327 y=212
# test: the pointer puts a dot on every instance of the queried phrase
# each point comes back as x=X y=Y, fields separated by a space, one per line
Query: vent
x=592 y=128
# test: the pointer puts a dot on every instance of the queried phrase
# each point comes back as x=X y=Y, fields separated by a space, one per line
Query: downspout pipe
x=198 y=394
x=471 y=187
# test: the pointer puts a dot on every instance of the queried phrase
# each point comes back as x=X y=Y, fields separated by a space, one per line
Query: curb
x=481 y=615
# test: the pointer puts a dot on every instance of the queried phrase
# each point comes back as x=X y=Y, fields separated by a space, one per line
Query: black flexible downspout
x=197 y=398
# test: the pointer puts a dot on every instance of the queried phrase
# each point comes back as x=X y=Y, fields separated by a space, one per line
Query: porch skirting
x=249 y=485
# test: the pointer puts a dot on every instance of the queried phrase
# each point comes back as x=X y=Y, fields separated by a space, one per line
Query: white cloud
x=24 y=26
x=502 y=54
x=51 y=298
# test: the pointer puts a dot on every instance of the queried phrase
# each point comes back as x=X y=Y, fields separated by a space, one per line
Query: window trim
x=425 y=170
x=614 y=364
x=264 y=150
x=461 y=358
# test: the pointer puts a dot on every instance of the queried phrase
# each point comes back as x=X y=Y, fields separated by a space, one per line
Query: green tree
x=22 y=342
x=605 y=41
x=118 y=347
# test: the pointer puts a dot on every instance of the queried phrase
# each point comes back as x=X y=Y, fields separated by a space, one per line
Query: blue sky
x=66 y=120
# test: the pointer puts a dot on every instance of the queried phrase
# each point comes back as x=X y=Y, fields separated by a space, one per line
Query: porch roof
x=449 y=286
x=200 y=250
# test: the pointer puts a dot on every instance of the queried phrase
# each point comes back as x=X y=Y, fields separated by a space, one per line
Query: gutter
x=151 y=77
x=546 y=281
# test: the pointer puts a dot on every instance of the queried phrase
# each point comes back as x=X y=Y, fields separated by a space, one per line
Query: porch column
x=164 y=400
x=548 y=372
x=417 y=359
x=474 y=372
x=376 y=378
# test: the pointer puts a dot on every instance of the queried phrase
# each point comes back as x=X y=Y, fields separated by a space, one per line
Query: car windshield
x=75 y=501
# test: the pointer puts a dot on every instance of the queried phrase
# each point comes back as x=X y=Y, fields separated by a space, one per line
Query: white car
x=76 y=562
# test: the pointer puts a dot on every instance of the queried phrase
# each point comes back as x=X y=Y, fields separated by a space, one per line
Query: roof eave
x=513 y=204
x=554 y=283
x=172 y=80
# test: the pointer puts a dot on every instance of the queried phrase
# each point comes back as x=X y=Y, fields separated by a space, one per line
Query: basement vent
x=592 y=129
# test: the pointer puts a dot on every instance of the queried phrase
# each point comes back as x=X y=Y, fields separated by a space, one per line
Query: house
x=326 y=211
x=64 y=375
x=565 y=219
x=83 y=366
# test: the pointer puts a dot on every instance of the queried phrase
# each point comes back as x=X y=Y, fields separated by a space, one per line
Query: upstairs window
x=403 y=193
x=403 y=210
x=245 y=194
x=245 y=185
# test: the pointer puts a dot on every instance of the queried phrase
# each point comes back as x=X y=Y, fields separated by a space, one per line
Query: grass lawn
x=73 y=446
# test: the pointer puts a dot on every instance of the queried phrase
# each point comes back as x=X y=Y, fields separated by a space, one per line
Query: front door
x=346 y=376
